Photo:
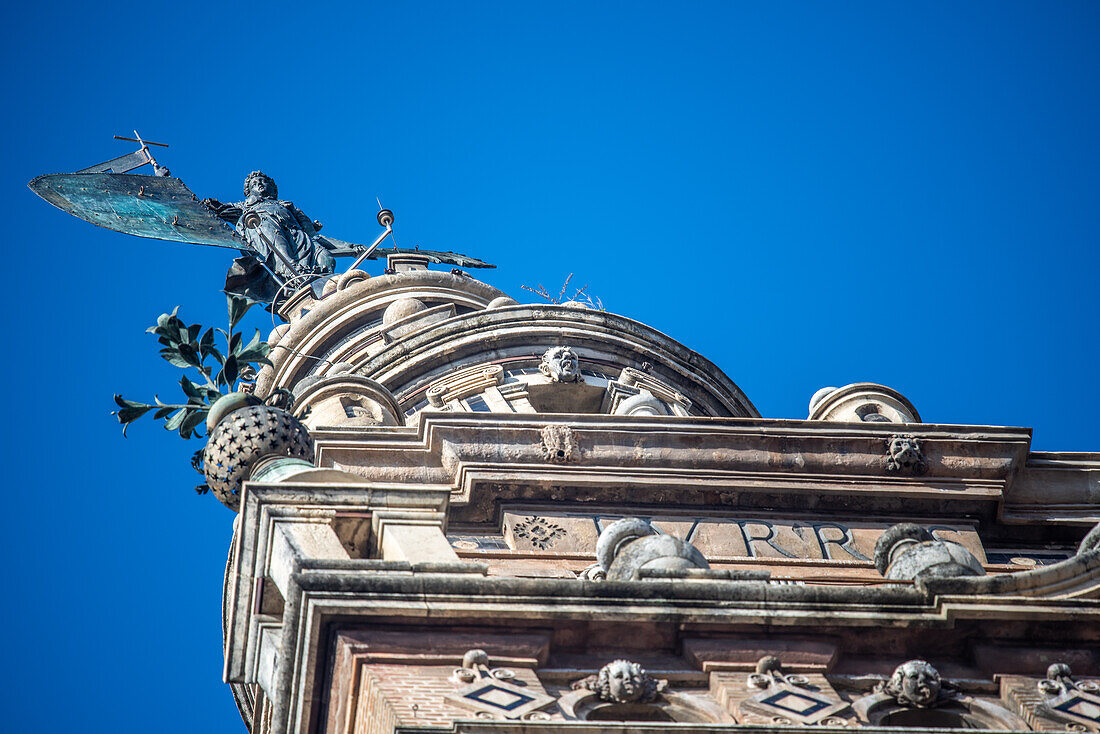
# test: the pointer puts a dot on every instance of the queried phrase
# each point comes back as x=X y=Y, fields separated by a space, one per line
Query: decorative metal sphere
x=244 y=437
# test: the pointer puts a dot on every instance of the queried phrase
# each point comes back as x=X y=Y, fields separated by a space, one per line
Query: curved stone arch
x=319 y=399
x=585 y=705
x=411 y=363
x=340 y=314
x=882 y=709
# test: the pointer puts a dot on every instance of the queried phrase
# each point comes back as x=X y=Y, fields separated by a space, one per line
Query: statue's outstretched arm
x=229 y=212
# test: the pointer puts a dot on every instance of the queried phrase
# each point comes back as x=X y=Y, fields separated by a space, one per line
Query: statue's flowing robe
x=288 y=229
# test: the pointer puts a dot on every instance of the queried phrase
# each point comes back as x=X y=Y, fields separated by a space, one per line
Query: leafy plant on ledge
x=581 y=295
x=219 y=372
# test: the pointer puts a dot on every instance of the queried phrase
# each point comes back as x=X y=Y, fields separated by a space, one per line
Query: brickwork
x=413 y=695
x=373 y=714
x=730 y=688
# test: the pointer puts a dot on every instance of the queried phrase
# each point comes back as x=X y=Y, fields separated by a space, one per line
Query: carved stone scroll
x=632 y=383
x=494 y=692
x=464 y=383
x=790 y=699
x=1075 y=702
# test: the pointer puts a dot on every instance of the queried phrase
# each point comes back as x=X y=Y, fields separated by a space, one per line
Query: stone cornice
x=286 y=540
x=686 y=462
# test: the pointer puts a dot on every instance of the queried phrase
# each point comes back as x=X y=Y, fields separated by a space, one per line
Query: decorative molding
x=916 y=695
x=1070 y=700
x=558 y=443
x=464 y=383
x=632 y=382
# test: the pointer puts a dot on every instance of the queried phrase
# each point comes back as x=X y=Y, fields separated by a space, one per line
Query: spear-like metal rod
x=385 y=218
x=252 y=221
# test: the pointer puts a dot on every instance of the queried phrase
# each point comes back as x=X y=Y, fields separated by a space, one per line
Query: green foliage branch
x=188 y=347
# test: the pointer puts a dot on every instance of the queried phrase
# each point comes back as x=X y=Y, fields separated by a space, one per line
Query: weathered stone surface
x=908 y=551
x=726 y=537
x=754 y=538
x=627 y=548
x=862 y=402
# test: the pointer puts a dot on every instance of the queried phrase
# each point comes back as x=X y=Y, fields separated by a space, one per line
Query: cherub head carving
x=260 y=185
x=622 y=681
x=915 y=683
x=561 y=364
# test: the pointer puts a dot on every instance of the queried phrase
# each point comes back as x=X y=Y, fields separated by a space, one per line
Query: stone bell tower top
x=463 y=514
x=445 y=341
x=543 y=515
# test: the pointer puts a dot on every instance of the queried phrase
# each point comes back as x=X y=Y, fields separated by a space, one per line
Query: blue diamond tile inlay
x=1082 y=707
x=788 y=701
x=497 y=697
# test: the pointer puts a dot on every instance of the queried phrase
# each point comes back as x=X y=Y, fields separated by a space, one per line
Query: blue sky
x=808 y=194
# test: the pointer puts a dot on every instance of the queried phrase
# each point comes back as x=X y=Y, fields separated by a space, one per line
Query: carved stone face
x=622 y=681
x=260 y=186
x=904 y=451
x=904 y=454
x=560 y=364
x=916 y=683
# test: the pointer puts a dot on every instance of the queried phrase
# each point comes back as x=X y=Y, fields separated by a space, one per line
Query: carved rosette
x=538 y=531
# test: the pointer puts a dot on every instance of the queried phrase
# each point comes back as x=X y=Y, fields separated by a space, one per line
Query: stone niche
x=862 y=402
x=346 y=400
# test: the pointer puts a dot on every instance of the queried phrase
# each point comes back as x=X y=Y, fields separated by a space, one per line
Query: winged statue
x=281 y=248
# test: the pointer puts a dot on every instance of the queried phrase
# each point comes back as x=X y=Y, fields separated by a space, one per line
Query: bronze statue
x=281 y=247
x=283 y=238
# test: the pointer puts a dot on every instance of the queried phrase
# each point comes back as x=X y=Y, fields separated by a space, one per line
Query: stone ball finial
x=400 y=309
x=908 y=551
x=474 y=659
x=768 y=664
x=501 y=302
x=241 y=439
x=818 y=396
x=1059 y=670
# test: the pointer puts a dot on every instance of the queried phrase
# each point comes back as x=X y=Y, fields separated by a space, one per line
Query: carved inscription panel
x=721 y=538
